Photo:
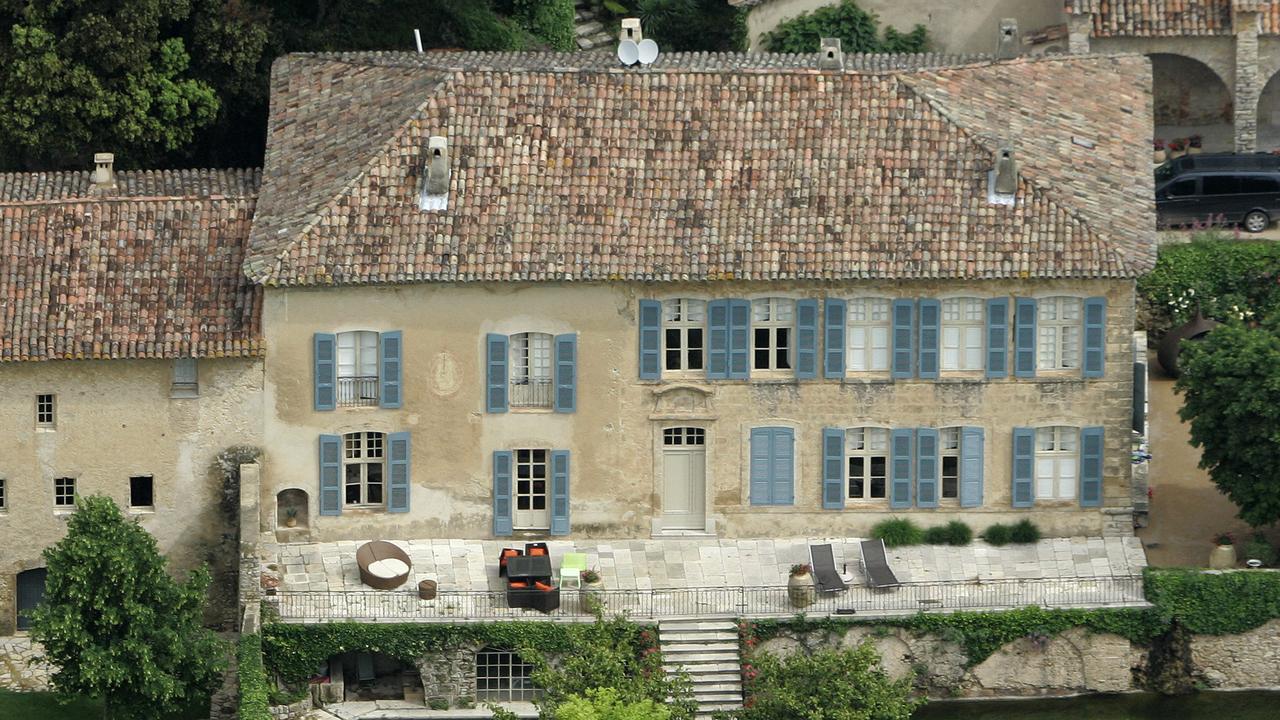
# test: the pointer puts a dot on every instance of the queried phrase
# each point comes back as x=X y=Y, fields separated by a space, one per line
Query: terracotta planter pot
x=1194 y=150
x=1223 y=557
x=1176 y=153
x=1159 y=156
x=800 y=590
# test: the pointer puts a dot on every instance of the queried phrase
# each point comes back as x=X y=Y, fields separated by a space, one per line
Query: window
x=4 y=496
x=357 y=368
x=503 y=676
x=531 y=490
x=185 y=379
x=684 y=436
x=141 y=492
x=1182 y=188
x=962 y=329
x=772 y=469
x=1056 y=463
x=1221 y=184
x=64 y=492
x=683 y=328
x=772 y=320
x=45 y=411
x=868 y=334
x=1059 y=327
x=949 y=449
x=1258 y=184
x=531 y=370
x=363 y=467
x=868 y=451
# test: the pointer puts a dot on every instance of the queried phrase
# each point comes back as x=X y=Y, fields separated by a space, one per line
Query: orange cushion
x=543 y=586
x=519 y=584
x=537 y=552
x=509 y=553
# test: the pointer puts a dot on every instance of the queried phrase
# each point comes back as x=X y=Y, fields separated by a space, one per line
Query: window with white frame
x=364 y=467
x=531 y=370
x=45 y=411
x=1057 y=462
x=949 y=450
x=1058 y=321
x=867 y=449
x=962 y=329
x=142 y=492
x=64 y=492
x=357 y=368
x=503 y=676
x=772 y=321
x=532 y=510
x=868 y=331
x=683 y=329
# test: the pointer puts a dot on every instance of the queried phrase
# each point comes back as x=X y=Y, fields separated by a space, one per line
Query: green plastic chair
x=571 y=569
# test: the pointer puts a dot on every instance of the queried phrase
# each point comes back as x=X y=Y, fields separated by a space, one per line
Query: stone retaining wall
x=16 y=672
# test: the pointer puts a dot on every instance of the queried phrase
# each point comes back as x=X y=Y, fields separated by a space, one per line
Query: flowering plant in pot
x=1158 y=153
x=1177 y=147
x=800 y=589
x=1194 y=144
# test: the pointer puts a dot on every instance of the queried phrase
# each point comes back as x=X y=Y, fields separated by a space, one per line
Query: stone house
x=130 y=356
x=721 y=295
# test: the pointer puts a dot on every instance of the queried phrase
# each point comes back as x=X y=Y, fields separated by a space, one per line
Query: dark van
x=1261 y=162
x=1249 y=199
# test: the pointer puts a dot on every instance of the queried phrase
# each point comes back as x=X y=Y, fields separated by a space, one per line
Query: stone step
x=589 y=28
x=702 y=667
x=697 y=637
x=726 y=647
x=716 y=681
x=728 y=697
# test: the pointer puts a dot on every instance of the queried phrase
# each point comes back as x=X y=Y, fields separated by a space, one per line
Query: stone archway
x=1269 y=115
x=1189 y=98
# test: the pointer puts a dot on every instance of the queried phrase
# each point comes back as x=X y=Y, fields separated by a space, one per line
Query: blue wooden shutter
x=495 y=373
x=566 y=373
x=501 y=492
x=833 y=338
x=761 y=466
x=900 y=468
x=650 y=340
x=1095 y=319
x=330 y=475
x=971 y=461
x=718 y=340
x=997 y=337
x=927 y=468
x=1024 y=467
x=559 y=492
x=1091 y=466
x=325 y=346
x=806 y=339
x=1024 y=338
x=904 y=322
x=833 y=468
x=398 y=472
x=930 y=320
x=739 y=339
x=784 y=466
x=391 y=352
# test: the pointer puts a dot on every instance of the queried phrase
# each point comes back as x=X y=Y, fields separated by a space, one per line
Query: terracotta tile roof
x=151 y=271
x=1156 y=18
x=717 y=171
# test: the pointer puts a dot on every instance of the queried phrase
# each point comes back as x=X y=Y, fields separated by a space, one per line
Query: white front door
x=533 y=511
x=684 y=474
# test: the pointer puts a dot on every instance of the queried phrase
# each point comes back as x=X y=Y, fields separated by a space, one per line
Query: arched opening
x=30 y=594
x=374 y=676
x=1191 y=99
x=1269 y=115
x=291 y=508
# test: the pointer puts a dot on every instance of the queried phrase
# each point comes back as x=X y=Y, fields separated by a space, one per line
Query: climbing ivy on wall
x=1217 y=603
x=254 y=689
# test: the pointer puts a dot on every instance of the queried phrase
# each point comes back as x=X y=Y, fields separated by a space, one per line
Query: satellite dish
x=628 y=52
x=648 y=51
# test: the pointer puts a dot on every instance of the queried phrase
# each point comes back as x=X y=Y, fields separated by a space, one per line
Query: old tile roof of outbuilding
x=702 y=166
x=1173 y=18
x=152 y=270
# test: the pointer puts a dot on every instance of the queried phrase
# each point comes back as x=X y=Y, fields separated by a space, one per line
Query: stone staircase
x=708 y=651
x=590 y=30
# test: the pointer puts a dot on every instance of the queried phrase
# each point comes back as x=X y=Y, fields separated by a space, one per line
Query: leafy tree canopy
x=857 y=29
x=116 y=626
x=1232 y=385
x=827 y=685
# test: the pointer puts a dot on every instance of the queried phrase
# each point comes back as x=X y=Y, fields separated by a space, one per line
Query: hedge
x=1214 y=603
x=254 y=688
x=1222 y=277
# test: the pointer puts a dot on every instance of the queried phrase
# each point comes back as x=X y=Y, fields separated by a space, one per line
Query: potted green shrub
x=592 y=583
x=1223 y=555
x=1158 y=154
x=800 y=589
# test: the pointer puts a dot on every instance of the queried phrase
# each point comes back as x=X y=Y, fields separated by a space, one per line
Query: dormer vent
x=435 y=184
x=1003 y=179
x=104 y=173
x=630 y=30
x=831 y=56
x=1007 y=39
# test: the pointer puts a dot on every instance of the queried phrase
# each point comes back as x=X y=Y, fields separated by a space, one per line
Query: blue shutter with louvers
x=806 y=339
x=324 y=347
x=833 y=338
x=398 y=486
x=650 y=340
x=330 y=475
x=930 y=319
x=739 y=339
x=392 y=388
x=784 y=466
x=559 y=492
x=832 y=468
x=971 y=461
x=1024 y=337
x=904 y=316
x=502 y=492
x=1024 y=461
x=1091 y=446
x=927 y=468
x=900 y=468
x=1095 y=319
x=997 y=337
x=495 y=373
x=761 y=466
x=718 y=340
x=566 y=373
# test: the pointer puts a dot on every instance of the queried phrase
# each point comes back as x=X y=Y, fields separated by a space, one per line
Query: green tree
x=83 y=75
x=1231 y=382
x=605 y=704
x=116 y=625
x=857 y=29
x=694 y=25
x=827 y=685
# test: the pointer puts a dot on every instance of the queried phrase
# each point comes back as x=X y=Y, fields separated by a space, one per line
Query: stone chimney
x=1005 y=182
x=103 y=180
x=1007 y=39
x=830 y=56
x=437 y=165
x=630 y=30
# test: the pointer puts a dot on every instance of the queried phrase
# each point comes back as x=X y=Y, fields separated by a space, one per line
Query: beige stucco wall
x=615 y=434
x=115 y=419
